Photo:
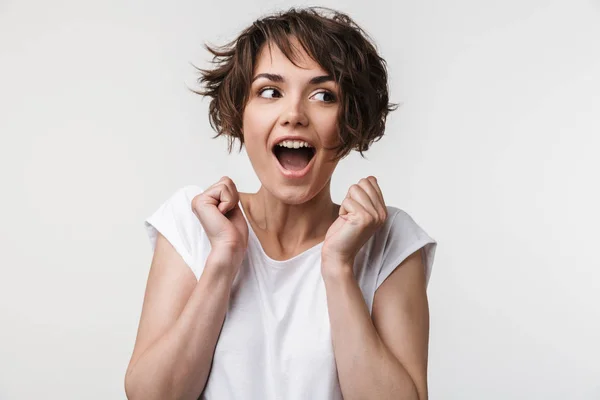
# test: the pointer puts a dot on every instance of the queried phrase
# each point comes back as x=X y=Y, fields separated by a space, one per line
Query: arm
x=384 y=357
x=179 y=326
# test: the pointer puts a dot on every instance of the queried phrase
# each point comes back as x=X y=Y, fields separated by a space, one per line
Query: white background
x=494 y=152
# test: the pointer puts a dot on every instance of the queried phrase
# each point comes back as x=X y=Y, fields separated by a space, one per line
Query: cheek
x=251 y=128
x=256 y=122
x=328 y=129
x=256 y=126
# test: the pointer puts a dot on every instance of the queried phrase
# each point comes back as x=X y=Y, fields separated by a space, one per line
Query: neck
x=291 y=226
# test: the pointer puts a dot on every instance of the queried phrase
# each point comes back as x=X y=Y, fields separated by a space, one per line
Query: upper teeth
x=293 y=144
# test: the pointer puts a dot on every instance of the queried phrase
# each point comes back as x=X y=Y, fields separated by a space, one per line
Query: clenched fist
x=219 y=213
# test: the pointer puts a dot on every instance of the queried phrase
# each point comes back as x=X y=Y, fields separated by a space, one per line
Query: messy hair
x=335 y=42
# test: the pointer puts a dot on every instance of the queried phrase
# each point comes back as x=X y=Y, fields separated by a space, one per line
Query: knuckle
x=383 y=216
x=197 y=201
x=226 y=180
x=371 y=219
x=197 y=198
x=365 y=218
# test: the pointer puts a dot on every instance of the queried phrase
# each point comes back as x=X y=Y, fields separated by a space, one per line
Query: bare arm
x=383 y=357
x=179 y=327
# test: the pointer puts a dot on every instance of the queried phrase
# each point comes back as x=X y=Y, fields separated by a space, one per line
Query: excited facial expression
x=290 y=116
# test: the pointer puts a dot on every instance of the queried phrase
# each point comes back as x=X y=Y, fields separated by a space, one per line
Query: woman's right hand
x=219 y=213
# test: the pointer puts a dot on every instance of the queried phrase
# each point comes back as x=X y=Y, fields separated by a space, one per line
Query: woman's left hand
x=361 y=214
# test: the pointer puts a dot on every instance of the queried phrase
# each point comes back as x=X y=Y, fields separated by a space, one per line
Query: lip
x=295 y=174
x=292 y=137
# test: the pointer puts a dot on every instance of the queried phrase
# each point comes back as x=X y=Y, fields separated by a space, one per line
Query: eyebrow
x=278 y=78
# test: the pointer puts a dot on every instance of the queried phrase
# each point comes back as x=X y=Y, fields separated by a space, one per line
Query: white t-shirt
x=276 y=339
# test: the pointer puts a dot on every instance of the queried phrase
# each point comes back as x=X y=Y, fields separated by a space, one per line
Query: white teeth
x=293 y=144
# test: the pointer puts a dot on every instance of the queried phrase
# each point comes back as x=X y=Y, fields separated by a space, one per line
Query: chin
x=292 y=194
x=296 y=192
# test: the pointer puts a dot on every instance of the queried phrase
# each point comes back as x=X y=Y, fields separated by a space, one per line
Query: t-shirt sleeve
x=405 y=237
x=176 y=221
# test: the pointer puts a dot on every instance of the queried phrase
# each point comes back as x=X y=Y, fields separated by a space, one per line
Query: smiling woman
x=341 y=49
x=291 y=112
x=282 y=293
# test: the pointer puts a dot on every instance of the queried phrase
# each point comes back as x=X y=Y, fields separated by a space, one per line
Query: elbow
x=130 y=393
x=134 y=388
x=142 y=388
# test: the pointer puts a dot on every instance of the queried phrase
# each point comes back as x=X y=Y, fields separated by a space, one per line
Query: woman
x=283 y=294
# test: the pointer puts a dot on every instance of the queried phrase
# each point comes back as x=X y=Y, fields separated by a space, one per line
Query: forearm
x=177 y=365
x=366 y=368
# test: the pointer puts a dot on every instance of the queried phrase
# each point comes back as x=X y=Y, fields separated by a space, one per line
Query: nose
x=294 y=113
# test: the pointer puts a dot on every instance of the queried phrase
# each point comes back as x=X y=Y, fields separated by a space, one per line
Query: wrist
x=220 y=266
x=336 y=269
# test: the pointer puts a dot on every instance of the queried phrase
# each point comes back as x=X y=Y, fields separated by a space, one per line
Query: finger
x=342 y=210
x=219 y=195
x=229 y=182
x=235 y=196
x=228 y=199
x=356 y=209
x=213 y=195
x=225 y=180
x=357 y=193
x=217 y=183
x=228 y=195
x=375 y=184
x=370 y=188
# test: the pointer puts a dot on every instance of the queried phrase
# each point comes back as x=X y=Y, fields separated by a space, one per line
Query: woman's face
x=288 y=101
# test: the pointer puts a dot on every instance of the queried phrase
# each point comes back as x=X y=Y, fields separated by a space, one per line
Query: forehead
x=270 y=58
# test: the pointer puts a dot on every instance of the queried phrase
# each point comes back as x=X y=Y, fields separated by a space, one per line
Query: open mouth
x=294 y=159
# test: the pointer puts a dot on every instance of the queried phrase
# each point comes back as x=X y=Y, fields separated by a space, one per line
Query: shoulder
x=188 y=193
x=399 y=226
x=176 y=221
x=176 y=209
x=399 y=237
x=400 y=223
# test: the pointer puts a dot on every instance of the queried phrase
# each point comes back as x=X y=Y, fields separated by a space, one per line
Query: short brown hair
x=335 y=42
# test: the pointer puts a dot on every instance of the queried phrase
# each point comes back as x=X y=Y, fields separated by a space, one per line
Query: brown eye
x=271 y=93
x=326 y=97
